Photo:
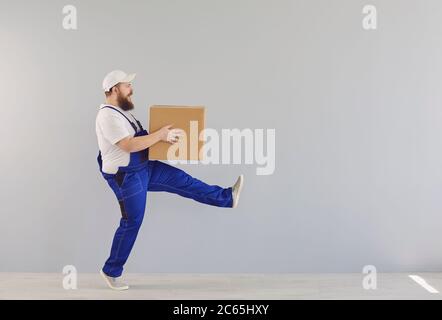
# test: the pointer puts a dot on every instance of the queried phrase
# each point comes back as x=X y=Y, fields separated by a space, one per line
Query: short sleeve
x=113 y=127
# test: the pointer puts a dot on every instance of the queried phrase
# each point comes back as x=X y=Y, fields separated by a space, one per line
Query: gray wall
x=357 y=115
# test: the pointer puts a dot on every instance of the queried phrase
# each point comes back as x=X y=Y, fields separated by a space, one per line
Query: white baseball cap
x=115 y=77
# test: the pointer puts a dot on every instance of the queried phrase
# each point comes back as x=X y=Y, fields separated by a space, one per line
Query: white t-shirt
x=111 y=127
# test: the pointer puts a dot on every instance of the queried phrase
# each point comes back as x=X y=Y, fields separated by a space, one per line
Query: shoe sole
x=241 y=183
x=110 y=285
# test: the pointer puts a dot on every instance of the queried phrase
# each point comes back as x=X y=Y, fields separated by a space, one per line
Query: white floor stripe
x=421 y=281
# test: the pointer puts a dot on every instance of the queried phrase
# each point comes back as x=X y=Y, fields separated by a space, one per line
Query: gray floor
x=220 y=286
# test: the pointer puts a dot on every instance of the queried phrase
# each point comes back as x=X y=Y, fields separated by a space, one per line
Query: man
x=123 y=162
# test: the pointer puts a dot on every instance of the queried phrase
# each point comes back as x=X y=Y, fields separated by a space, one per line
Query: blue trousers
x=131 y=192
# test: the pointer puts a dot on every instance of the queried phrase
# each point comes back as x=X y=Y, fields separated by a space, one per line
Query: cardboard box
x=189 y=118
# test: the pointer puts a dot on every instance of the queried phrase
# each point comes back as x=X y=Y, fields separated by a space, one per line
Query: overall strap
x=131 y=123
x=138 y=122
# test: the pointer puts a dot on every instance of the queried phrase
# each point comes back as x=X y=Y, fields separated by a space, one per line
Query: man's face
x=124 y=92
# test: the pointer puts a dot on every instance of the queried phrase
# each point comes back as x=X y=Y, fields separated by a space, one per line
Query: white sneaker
x=114 y=283
x=236 y=190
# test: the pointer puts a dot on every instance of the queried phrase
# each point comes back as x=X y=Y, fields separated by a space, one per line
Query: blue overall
x=130 y=185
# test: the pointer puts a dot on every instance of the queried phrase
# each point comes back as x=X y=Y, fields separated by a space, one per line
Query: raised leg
x=164 y=177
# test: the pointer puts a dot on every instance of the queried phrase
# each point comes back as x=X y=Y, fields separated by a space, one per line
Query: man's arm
x=134 y=144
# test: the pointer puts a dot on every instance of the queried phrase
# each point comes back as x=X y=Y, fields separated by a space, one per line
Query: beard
x=124 y=103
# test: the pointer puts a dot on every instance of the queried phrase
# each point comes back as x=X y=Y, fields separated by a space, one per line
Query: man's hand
x=170 y=135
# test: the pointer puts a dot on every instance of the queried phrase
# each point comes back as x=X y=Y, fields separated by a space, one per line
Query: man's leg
x=164 y=177
x=132 y=199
